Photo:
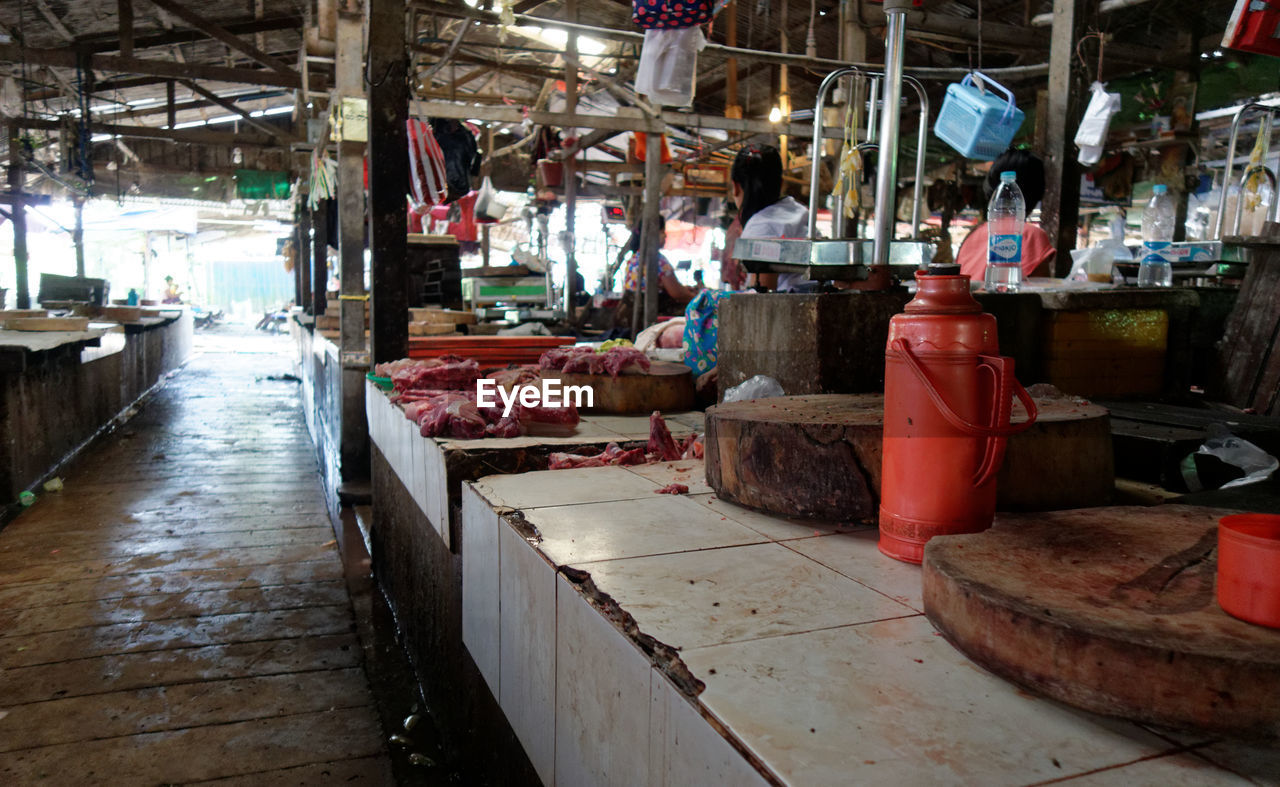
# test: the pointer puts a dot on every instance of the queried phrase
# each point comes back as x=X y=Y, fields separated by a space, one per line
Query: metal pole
x=649 y=245
x=19 y=218
x=815 y=166
x=570 y=172
x=77 y=237
x=887 y=174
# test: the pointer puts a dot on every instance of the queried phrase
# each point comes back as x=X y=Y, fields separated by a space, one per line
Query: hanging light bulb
x=775 y=115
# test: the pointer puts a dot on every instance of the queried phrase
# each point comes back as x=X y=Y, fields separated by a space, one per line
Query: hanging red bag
x=428 y=182
x=671 y=14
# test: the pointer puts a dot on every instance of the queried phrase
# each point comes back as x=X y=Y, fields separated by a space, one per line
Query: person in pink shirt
x=1037 y=250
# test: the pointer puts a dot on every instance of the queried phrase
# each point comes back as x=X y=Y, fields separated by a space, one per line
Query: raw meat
x=672 y=489
x=613 y=362
x=574 y=461
x=552 y=421
x=512 y=377
x=692 y=447
x=452 y=374
x=504 y=427
x=555 y=358
x=661 y=443
x=451 y=415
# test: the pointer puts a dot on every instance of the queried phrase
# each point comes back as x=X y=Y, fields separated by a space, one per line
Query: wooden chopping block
x=667 y=386
x=47 y=324
x=1112 y=610
x=445 y=316
x=12 y=314
x=819 y=456
x=120 y=313
x=432 y=328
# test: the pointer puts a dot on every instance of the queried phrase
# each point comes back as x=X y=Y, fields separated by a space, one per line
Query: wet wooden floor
x=178 y=614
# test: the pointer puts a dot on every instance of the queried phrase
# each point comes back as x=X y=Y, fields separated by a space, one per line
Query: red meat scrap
x=562 y=461
x=661 y=444
x=672 y=489
x=458 y=374
x=556 y=357
x=612 y=362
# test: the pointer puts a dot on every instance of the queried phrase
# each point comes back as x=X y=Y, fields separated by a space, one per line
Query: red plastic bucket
x=1249 y=567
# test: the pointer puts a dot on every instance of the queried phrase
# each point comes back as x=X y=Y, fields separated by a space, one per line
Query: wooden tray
x=1112 y=610
x=446 y=316
x=47 y=324
x=819 y=456
x=667 y=386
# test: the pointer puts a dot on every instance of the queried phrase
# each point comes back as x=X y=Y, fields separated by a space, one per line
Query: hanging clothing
x=701 y=327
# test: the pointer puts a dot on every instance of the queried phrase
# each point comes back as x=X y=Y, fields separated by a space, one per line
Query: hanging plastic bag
x=1254 y=463
x=1091 y=137
x=668 y=65
x=672 y=14
x=489 y=209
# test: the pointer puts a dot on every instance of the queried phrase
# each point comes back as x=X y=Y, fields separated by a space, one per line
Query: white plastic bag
x=669 y=64
x=1092 y=134
x=758 y=387
x=1257 y=464
x=488 y=208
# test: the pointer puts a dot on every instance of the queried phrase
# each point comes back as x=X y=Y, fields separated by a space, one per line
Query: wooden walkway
x=178 y=613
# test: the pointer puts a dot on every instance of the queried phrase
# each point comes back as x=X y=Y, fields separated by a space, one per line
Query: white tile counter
x=816 y=664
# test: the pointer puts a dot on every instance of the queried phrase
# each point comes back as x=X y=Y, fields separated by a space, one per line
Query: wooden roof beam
x=53 y=20
x=194 y=136
x=107 y=43
x=233 y=107
x=66 y=58
x=222 y=34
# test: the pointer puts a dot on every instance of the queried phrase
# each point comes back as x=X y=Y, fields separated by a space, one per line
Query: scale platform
x=843 y=260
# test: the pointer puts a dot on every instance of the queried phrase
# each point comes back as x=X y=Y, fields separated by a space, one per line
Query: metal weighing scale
x=856 y=259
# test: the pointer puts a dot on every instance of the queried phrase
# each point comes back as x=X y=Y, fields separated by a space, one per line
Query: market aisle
x=178 y=612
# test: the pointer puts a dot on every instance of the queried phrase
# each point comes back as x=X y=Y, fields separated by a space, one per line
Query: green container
x=382 y=382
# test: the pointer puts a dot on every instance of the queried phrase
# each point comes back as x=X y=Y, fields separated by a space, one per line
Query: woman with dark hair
x=672 y=295
x=762 y=210
x=1037 y=250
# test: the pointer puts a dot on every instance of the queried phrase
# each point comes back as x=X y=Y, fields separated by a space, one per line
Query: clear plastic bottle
x=1006 y=215
x=1157 y=233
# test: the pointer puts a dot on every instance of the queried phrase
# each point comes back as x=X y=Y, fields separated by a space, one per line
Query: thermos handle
x=1007 y=382
x=1001 y=369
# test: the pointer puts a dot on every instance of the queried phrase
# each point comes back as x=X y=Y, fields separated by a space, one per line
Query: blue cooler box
x=979 y=125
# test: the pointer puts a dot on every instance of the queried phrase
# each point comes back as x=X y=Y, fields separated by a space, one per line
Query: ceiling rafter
x=220 y=33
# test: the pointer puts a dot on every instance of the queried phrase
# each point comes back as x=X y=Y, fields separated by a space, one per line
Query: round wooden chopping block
x=819 y=456
x=668 y=386
x=1112 y=610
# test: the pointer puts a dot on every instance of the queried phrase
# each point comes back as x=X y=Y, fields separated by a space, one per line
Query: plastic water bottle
x=1157 y=233
x=1006 y=214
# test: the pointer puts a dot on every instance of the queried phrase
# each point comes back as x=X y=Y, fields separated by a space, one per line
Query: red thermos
x=947 y=400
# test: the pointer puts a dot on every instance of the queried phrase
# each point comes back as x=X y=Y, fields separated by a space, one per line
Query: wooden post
x=570 y=173
x=320 y=259
x=171 y=106
x=1060 y=211
x=77 y=236
x=388 y=179
x=353 y=349
x=124 y=10
x=732 y=109
x=304 y=258
x=351 y=208
x=19 y=217
x=650 y=235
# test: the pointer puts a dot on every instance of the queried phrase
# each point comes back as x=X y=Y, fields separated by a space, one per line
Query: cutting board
x=667 y=386
x=47 y=324
x=12 y=314
x=448 y=316
x=819 y=456
x=1112 y=610
x=432 y=328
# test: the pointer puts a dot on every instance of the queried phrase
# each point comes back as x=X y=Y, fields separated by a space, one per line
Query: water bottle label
x=1004 y=249
x=1155 y=250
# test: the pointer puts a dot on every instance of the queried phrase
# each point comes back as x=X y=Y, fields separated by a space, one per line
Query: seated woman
x=762 y=210
x=672 y=295
x=1037 y=250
